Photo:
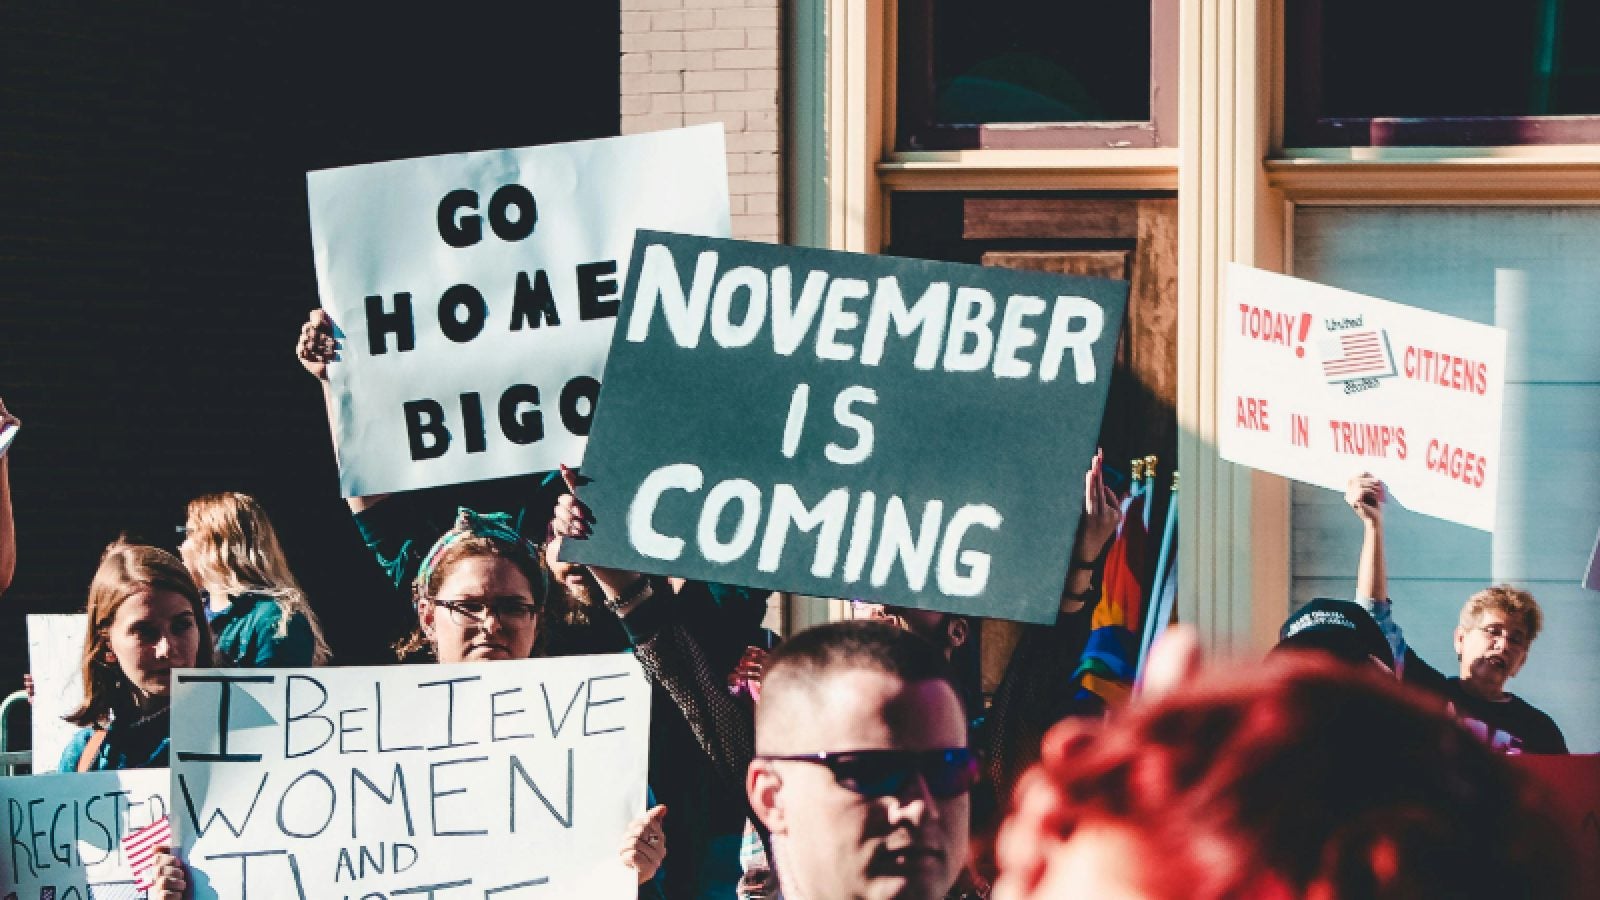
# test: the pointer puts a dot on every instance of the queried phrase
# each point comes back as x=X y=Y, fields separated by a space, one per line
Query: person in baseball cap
x=1340 y=628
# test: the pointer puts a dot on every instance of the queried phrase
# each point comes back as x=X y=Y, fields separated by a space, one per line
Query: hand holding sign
x=169 y=877
x=645 y=844
x=317 y=347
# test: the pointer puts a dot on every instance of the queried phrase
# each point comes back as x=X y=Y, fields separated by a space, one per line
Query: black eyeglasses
x=948 y=772
x=473 y=612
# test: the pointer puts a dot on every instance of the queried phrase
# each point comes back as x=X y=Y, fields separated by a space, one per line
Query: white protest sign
x=1318 y=384
x=458 y=782
x=8 y=433
x=475 y=295
x=64 y=832
x=55 y=658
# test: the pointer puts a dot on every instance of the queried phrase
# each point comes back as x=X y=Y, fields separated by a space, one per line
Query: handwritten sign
x=64 y=832
x=55 y=654
x=475 y=294
x=843 y=425
x=488 y=780
x=1318 y=384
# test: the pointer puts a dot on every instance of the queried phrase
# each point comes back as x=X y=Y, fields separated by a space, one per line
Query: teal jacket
x=248 y=635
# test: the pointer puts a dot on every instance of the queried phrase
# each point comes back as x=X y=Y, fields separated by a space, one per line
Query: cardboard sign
x=475 y=294
x=500 y=780
x=55 y=659
x=842 y=425
x=65 y=832
x=1319 y=384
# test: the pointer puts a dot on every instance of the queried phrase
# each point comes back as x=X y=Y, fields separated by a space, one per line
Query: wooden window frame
x=916 y=131
x=1305 y=127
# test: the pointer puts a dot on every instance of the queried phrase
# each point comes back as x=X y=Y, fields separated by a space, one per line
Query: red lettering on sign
x=1368 y=439
x=1253 y=414
x=1464 y=466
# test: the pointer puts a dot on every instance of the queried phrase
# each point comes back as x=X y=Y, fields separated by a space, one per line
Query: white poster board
x=55 y=659
x=1318 y=384
x=488 y=780
x=475 y=295
x=8 y=433
x=64 y=832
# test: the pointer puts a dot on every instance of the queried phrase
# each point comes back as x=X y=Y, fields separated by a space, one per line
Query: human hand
x=317 y=346
x=746 y=674
x=571 y=520
x=1365 y=494
x=1102 y=513
x=169 y=879
x=644 y=844
x=6 y=418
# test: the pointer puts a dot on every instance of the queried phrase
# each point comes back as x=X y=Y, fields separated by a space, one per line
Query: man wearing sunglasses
x=862 y=768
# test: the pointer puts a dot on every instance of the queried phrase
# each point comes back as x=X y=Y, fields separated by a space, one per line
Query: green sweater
x=248 y=635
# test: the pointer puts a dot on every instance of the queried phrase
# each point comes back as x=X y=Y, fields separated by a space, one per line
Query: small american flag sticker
x=140 y=850
x=1357 y=354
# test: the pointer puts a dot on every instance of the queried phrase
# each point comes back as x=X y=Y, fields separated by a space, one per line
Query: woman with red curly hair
x=1312 y=780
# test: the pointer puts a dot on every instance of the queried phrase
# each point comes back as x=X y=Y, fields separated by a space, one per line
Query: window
x=1532 y=271
x=1441 y=72
x=1036 y=73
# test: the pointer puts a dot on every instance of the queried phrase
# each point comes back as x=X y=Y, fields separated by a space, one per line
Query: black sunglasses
x=949 y=772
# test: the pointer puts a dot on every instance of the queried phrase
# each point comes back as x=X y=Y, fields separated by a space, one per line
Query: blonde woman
x=259 y=614
x=145 y=619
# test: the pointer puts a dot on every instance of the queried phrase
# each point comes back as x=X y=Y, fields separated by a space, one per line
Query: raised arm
x=673 y=656
x=8 y=527
x=1365 y=494
x=1101 y=516
x=316 y=350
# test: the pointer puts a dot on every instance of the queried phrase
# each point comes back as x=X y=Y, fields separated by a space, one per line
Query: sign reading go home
x=474 y=296
x=843 y=425
x=485 y=780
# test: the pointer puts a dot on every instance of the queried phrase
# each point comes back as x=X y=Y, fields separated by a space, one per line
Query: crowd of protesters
x=853 y=762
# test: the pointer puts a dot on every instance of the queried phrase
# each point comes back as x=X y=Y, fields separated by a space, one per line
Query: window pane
x=1032 y=60
x=1450 y=58
x=1533 y=272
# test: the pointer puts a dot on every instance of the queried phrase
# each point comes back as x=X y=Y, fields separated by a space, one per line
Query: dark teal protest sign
x=845 y=425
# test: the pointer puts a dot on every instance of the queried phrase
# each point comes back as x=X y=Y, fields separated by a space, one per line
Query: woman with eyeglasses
x=707 y=819
x=258 y=612
x=145 y=619
x=481 y=596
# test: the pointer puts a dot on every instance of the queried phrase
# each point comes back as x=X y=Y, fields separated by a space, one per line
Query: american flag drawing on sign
x=1357 y=354
x=140 y=850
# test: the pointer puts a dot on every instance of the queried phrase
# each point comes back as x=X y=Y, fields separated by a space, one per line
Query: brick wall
x=687 y=62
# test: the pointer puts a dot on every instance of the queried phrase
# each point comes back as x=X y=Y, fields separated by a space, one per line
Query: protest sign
x=55 y=658
x=65 y=832
x=8 y=433
x=843 y=425
x=474 y=296
x=499 y=780
x=1318 y=384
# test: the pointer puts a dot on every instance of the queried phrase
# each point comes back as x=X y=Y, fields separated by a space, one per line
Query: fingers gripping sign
x=644 y=845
